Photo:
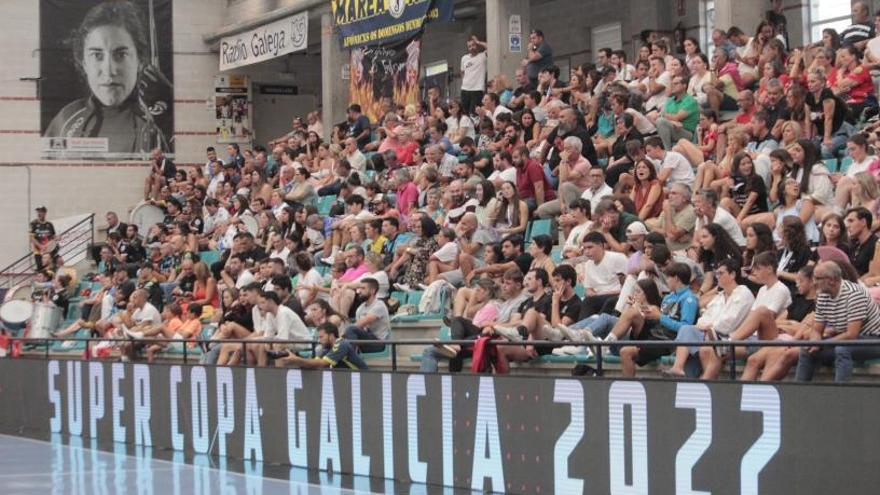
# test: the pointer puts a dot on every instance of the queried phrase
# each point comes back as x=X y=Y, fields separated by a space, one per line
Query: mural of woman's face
x=111 y=64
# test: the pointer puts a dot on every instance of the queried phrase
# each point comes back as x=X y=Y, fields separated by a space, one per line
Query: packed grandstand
x=719 y=194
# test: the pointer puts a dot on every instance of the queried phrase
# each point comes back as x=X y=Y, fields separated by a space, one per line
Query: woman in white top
x=458 y=125
x=700 y=77
x=512 y=216
x=691 y=50
x=847 y=186
x=813 y=175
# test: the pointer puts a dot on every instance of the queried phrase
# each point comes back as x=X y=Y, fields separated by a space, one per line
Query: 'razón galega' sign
x=265 y=42
x=513 y=434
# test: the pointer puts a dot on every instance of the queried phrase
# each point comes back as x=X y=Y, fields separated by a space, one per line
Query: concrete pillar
x=334 y=89
x=744 y=14
x=501 y=60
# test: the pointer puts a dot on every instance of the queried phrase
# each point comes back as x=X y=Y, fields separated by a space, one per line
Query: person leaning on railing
x=337 y=353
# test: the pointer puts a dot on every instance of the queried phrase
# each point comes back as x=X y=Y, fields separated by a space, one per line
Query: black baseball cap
x=41 y=208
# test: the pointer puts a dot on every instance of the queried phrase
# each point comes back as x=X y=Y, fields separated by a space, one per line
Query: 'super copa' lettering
x=113 y=401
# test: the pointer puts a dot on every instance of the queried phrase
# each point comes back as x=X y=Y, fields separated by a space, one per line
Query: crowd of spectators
x=723 y=195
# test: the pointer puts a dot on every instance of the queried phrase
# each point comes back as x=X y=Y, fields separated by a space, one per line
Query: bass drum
x=14 y=314
x=145 y=216
x=45 y=320
x=21 y=292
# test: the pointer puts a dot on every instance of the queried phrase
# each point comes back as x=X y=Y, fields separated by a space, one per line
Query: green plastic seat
x=845 y=163
x=831 y=164
x=538 y=227
x=325 y=203
x=209 y=257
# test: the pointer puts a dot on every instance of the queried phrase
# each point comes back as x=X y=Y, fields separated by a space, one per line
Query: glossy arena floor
x=51 y=467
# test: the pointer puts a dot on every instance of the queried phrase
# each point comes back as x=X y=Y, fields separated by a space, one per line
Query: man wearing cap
x=42 y=237
x=381 y=208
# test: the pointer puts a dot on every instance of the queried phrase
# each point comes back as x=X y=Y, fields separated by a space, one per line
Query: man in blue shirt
x=338 y=353
x=678 y=308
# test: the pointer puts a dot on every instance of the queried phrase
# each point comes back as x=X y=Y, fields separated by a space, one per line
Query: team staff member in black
x=42 y=237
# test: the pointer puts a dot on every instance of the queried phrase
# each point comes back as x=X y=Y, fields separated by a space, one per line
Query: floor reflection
x=72 y=465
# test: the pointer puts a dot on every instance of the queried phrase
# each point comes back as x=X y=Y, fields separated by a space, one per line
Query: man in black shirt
x=358 y=126
x=162 y=172
x=235 y=155
x=564 y=309
x=42 y=237
x=281 y=285
x=514 y=257
x=864 y=242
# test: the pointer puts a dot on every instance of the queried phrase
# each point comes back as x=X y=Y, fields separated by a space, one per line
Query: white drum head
x=16 y=312
x=145 y=216
x=250 y=223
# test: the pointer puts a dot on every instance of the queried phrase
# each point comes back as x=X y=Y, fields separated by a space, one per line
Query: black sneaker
x=277 y=354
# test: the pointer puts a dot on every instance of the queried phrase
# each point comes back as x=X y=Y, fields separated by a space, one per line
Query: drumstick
x=154 y=51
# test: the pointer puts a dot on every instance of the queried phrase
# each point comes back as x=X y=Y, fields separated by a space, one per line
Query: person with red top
x=851 y=81
x=531 y=183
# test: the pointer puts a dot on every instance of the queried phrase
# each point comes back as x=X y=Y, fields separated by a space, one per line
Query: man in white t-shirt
x=659 y=82
x=671 y=166
x=285 y=325
x=492 y=107
x=504 y=169
x=707 y=210
x=602 y=275
x=139 y=314
x=353 y=155
x=473 y=75
x=771 y=303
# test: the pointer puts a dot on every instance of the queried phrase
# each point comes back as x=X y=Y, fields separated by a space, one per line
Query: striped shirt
x=853 y=303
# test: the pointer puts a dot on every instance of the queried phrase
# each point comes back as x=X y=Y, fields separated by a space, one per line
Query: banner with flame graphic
x=385 y=76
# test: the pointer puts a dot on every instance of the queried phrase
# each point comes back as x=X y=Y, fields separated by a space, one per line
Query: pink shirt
x=353 y=274
x=582 y=166
x=407 y=196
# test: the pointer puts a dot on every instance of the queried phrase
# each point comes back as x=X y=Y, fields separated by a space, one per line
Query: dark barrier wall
x=514 y=434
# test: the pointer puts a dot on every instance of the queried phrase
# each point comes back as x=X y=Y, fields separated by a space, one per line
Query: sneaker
x=277 y=354
x=133 y=334
x=562 y=351
x=402 y=287
x=671 y=373
x=328 y=260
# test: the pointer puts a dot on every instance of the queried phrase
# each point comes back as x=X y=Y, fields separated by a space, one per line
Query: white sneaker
x=329 y=260
x=565 y=350
x=402 y=287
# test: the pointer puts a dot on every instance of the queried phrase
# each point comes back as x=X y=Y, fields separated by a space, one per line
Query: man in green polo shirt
x=680 y=114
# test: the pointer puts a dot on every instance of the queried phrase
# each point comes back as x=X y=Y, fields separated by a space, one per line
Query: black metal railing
x=72 y=243
x=599 y=346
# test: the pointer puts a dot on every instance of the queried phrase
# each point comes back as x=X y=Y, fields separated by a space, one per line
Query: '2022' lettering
x=697 y=396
